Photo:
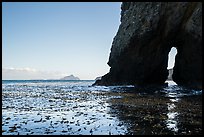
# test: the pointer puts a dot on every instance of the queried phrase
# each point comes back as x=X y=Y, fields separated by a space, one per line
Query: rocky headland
x=148 y=31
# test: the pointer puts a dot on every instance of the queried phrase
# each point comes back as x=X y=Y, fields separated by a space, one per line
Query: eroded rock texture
x=148 y=30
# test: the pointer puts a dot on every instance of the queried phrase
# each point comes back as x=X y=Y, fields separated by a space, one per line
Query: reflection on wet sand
x=165 y=111
x=171 y=121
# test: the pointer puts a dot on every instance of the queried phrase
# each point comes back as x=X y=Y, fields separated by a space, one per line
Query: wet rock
x=79 y=129
x=38 y=120
x=12 y=129
x=75 y=107
x=91 y=131
x=47 y=117
x=71 y=122
x=8 y=118
x=25 y=122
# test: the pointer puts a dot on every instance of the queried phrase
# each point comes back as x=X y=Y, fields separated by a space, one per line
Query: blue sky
x=44 y=40
x=65 y=38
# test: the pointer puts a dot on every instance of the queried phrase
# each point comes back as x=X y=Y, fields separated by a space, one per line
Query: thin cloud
x=29 y=73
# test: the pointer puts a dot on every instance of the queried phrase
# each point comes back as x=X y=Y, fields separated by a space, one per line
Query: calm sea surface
x=62 y=107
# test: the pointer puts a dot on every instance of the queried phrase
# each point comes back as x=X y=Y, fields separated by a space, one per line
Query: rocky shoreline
x=81 y=109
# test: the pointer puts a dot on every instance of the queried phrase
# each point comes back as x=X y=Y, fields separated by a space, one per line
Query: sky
x=50 y=40
x=57 y=39
x=171 y=57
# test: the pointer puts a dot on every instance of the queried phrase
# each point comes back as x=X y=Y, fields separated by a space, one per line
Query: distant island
x=70 y=77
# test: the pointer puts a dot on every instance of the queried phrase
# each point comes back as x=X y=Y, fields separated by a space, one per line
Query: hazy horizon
x=45 y=40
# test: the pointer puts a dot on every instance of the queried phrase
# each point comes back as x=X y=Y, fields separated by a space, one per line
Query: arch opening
x=171 y=62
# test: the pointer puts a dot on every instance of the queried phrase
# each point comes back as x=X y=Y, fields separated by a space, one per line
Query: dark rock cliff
x=148 y=30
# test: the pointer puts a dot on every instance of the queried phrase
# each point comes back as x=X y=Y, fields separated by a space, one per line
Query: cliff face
x=148 y=30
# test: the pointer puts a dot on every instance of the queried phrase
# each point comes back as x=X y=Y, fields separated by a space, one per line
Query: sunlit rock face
x=148 y=30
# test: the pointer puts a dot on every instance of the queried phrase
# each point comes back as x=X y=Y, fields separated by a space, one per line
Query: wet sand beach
x=76 y=108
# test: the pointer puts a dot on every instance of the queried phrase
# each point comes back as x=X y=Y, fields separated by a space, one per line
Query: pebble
x=8 y=118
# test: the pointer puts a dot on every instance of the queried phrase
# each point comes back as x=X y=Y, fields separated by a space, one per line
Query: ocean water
x=63 y=107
